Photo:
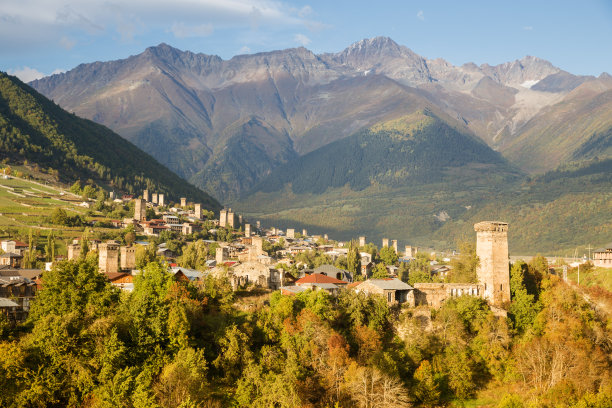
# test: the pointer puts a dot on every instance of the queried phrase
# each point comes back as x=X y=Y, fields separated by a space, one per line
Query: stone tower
x=223 y=218
x=74 y=251
x=385 y=242
x=304 y=233
x=108 y=257
x=493 y=270
x=198 y=211
x=231 y=218
x=140 y=209
x=247 y=230
x=394 y=245
x=128 y=257
x=410 y=251
x=154 y=198
x=145 y=195
x=290 y=233
x=160 y=199
x=362 y=241
x=183 y=202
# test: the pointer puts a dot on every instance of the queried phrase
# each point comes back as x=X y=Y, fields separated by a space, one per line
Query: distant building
x=332 y=271
x=11 y=259
x=16 y=247
x=602 y=257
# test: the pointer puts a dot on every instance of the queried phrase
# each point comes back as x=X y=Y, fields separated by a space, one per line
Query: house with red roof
x=315 y=281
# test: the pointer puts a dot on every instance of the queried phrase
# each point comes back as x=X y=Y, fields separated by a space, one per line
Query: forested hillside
x=412 y=150
x=172 y=343
x=33 y=128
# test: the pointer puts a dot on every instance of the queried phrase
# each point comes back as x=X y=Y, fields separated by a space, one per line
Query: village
x=273 y=259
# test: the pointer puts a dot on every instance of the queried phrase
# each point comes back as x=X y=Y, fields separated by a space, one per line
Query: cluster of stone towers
x=228 y=219
x=112 y=257
x=156 y=198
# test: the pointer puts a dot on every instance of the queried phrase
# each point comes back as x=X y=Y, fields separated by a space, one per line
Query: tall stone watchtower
x=140 y=209
x=108 y=257
x=493 y=270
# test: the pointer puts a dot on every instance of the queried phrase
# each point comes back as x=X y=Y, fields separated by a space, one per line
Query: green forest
x=34 y=129
x=172 y=343
x=430 y=151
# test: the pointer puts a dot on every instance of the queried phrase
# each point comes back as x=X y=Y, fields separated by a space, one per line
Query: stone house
x=392 y=289
x=257 y=273
x=332 y=271
x=434 y=294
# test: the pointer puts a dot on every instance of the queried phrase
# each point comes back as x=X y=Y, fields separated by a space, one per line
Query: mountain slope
x=572 y=129
x=35 y=129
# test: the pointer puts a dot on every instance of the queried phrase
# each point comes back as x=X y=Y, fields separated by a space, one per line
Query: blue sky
x=44 y=36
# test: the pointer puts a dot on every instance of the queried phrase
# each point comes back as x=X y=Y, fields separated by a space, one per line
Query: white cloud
x=420 y=15
x=182 y=30
x=41 y=23
x=244 y=50
x=527 y=28
x=26 y=74
x=301 y=39
x=305 y=11
x=67 y=43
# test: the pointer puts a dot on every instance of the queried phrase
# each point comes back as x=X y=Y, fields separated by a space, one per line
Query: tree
x=50 y=247
x=463 y=267
x=353 y=260
x=380 y=271
x=388 y=255
x=524 y=307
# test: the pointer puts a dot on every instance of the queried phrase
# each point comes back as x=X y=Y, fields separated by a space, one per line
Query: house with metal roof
x=392 y=289
x=332 y=271
x=602 y=257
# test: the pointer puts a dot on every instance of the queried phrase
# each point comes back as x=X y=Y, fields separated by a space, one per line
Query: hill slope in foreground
x=33 y=128
x=430 y=196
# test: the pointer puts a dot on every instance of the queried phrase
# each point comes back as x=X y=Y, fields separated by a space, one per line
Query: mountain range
x=248 y=128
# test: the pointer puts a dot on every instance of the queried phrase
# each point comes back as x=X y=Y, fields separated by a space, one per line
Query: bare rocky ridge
x=182 y=107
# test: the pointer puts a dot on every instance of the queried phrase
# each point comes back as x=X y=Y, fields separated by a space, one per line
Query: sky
x=41 y=37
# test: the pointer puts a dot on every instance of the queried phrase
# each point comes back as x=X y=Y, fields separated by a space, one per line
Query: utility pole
x=589 y=248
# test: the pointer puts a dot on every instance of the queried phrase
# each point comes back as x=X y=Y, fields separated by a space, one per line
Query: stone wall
x=434 y=294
